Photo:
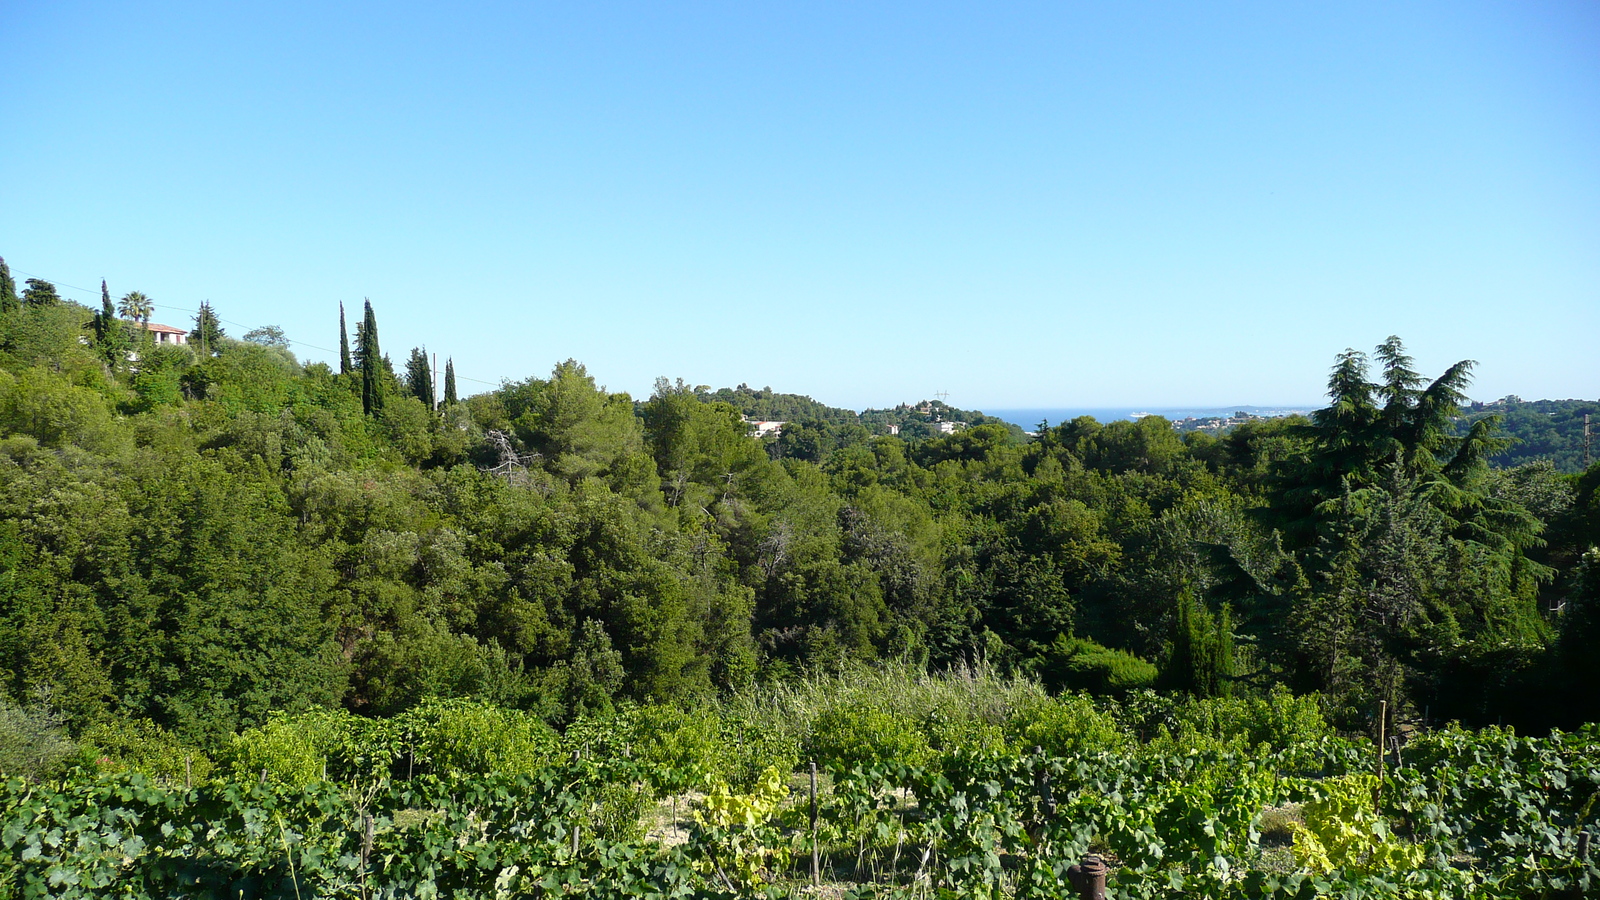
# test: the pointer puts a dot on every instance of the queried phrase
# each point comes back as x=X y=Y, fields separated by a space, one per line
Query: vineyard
x=949 y=788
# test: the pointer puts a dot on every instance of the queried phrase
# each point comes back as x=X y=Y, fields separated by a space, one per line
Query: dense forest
x=1551 y=430
x=195 y=535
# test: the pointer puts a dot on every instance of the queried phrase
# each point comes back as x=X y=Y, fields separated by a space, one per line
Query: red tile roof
x=163 y=329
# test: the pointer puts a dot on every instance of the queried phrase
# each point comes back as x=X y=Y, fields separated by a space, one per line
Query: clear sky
x=1051 y=204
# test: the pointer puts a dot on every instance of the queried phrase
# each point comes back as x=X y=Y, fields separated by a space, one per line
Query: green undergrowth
x=954 y=785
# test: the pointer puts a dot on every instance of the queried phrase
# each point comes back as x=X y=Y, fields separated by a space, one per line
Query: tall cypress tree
x=108 y=336
x=370 y=359
x=8 y=288
x=1201 y=657
x=419 y=378
x=449 y=381
x=344 y=343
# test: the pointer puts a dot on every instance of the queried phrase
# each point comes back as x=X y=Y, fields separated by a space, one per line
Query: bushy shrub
x=293 y=750
x=140 y=745
x=1070 y=723
x=681 y=748
x=948 y=728
x=33 y=739
x=453 y=738
x=1080 y=664
x=859 y=733
x=1277 y=721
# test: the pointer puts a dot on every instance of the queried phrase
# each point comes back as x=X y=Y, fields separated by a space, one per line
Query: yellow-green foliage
x=448 y=738
x=291 y=750
x=1070 y=723
x=723 y=807
x=453 y=738
x=1343 y=830
x=738 y=828
x=860 y=733
x=1242 y=725
x=140 y=745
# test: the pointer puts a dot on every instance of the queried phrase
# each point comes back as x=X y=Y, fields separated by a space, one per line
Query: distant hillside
x=768 y=405
x=1543 y=429
x=922 y=419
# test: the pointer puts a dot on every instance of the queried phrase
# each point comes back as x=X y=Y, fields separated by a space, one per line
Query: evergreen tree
x=40 y=293
x=419 y=378
x=344 y=343
x=449 y=382
x=1201 y=659
x=109 y=338
x=8 y=288
x=369 y=358
x=207 y=328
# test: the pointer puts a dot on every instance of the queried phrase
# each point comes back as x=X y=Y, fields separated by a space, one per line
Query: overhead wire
x=96 y=293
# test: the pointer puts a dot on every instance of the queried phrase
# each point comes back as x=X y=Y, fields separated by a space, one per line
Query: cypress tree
x=370 y=358
x=419 y=378
x=449 y=381
x=1201 y=661
x=344 y=343
x=1222 y=654
x=1180 y=668
x=108 y=336
x=8 y=288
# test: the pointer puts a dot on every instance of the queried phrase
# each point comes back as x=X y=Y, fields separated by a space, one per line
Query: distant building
x=762 y=429
x=949 y=427
x=163 y=334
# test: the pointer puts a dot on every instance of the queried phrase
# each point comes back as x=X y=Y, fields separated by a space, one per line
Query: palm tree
x=136 y=306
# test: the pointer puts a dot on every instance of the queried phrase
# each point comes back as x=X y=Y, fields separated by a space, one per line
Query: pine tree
x=419 y=378
x=207 y=328
x=370 y=360
x=344 y=343
x=8 y=288
x=40 y=293
x=449 y=382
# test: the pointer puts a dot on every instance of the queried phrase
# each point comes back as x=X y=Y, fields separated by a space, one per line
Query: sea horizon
x=1029 y=417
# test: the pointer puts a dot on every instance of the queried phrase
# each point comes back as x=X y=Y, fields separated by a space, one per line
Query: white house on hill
x=164 y=334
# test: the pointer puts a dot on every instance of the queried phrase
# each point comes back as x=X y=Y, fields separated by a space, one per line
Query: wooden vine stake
x=816 y=859
x=1383 y=721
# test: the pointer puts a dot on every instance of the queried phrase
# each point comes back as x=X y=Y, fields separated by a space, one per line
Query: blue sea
x=1030 y=418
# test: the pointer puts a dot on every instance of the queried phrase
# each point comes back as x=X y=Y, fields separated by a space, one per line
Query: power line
x=96 y=293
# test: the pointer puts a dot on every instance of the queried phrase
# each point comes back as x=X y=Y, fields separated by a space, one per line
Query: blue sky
x=1050 y=204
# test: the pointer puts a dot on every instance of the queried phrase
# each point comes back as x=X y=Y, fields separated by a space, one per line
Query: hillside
x=196 y=535
x=1549 y=430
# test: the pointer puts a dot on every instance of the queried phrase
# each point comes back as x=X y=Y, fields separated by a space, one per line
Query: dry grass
x=969 y=691
x=1277 y=824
